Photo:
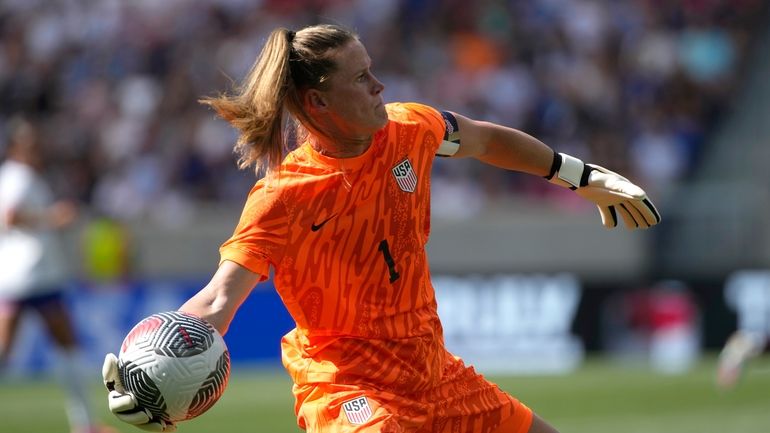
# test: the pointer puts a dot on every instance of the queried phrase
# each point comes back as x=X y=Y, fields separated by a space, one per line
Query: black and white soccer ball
x=176 y=365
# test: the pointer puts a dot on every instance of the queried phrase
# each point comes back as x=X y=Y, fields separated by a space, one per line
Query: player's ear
x=315 y=100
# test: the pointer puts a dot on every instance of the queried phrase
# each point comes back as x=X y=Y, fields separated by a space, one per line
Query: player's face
x=26 y=147
x=354 y=96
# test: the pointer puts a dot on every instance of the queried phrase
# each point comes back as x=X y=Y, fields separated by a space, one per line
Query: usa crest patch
x=405 y=176
x=357 y=410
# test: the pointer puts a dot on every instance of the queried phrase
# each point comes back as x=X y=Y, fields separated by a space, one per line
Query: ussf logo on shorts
x=405 y=176
x=357 y=410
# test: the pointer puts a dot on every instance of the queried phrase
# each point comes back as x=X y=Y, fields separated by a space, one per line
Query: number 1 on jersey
x=388 y=260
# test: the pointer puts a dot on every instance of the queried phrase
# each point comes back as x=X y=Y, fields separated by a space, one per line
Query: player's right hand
x=124 y=405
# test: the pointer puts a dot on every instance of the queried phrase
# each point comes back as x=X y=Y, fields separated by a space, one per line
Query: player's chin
x=381 y=116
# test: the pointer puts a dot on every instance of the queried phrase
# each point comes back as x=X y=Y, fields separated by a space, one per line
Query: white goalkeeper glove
x=125 y=405
x=612 y=193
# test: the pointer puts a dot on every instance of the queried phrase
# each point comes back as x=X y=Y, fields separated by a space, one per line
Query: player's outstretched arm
x=515 y=150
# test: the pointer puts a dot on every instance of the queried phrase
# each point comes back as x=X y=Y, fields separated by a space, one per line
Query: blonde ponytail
x=288 y=64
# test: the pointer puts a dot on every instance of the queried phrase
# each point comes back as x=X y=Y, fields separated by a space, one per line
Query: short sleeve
x=259 y=239
x=430 y=118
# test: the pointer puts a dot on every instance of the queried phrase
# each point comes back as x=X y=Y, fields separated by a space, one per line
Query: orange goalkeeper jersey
x=346 y=239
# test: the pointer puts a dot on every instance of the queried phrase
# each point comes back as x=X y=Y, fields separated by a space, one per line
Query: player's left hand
x=612 y=193
x=124 y=405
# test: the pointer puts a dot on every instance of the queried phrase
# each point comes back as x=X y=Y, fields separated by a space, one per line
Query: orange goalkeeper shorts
x=467 y=403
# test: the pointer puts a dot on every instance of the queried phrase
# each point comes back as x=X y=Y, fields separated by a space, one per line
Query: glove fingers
x=628 y=217
x=110 y=373
x=124 y=407
x=138 y=418
x=609 y=216
x=613 y=194
x=645 y=216
x=639 y=217
x=649 y=211
x=120 y=402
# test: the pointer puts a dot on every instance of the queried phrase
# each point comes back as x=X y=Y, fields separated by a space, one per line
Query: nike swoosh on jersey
x=316 y=227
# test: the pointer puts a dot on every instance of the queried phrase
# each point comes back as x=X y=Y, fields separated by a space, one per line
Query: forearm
x=516 y=150
x=211 y=306
x=503 y=147
x=220 y=299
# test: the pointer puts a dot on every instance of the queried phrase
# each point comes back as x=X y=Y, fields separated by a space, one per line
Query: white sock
x=71 y=372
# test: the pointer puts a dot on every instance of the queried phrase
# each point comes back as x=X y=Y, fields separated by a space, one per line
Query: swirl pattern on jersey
x=347 y=238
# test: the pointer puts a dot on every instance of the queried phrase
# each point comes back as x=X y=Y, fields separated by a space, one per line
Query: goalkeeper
x=342 y=221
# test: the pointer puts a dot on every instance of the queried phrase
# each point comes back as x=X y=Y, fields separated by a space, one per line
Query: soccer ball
x=176 y=365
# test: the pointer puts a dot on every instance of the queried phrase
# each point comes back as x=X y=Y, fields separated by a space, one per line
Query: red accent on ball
x=146 y=326
x=186 y=337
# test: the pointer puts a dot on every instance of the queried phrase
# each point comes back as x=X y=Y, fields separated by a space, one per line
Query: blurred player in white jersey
x=34 y=269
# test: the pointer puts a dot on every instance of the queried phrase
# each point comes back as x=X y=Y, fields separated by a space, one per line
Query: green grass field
x=599 y=398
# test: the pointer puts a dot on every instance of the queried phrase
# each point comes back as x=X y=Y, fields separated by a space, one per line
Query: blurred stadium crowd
x=635 y=85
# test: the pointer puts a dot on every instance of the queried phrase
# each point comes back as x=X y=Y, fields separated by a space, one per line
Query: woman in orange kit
x=343 y=220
